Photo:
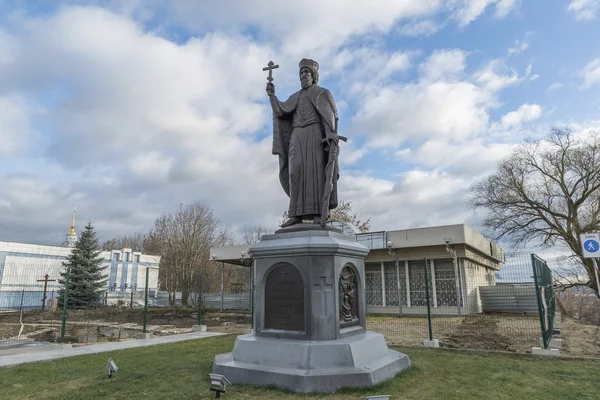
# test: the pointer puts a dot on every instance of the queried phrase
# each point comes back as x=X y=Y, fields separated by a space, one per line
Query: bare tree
x=253 y=235
x=546 y=191
x=134 y=241
x=343 y=212
x=183 y=239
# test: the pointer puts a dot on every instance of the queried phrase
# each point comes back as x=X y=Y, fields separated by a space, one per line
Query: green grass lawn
x=180 y=371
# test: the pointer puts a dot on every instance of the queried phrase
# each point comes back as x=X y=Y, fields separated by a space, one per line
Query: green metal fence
x=462 y=305
x=545 y=296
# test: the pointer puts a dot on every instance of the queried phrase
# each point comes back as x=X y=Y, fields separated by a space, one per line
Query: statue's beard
x=305 y=83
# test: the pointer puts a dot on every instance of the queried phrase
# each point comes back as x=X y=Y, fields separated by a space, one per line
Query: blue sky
x=126 y=109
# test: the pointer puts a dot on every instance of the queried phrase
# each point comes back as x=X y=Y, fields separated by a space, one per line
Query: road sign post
x=590 y=245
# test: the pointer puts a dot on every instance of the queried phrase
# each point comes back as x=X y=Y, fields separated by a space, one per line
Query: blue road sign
x=591 y=246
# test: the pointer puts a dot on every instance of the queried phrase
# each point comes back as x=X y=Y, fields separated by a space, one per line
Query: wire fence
x=457 y=302
x=32 y=312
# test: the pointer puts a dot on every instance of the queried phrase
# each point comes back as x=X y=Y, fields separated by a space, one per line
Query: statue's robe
x=299 y=124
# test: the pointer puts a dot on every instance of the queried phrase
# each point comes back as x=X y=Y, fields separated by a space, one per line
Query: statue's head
x=309 y=72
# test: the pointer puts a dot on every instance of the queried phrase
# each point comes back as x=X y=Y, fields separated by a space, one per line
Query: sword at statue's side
x=333 y=155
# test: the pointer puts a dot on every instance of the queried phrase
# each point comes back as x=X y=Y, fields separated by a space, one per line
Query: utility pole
x=45 y=280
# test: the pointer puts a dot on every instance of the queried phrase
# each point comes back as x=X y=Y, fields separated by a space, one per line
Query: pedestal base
x=311 y=366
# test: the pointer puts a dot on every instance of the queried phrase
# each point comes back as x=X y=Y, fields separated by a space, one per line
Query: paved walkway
x=44 y=355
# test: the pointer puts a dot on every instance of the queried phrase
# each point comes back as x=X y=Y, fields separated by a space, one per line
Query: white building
x=23 y=268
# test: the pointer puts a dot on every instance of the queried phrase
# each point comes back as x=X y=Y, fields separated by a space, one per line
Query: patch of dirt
x=481 y=331
x=236 y=329
x=579 y=339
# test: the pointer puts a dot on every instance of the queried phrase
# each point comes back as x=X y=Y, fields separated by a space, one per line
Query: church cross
x=270 y=67
x=324 y=282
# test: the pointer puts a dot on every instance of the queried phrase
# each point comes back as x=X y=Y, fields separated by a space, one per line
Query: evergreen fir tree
x=86 y=282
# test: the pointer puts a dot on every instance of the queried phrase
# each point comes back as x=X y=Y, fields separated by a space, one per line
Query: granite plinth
x=305 y=366
x=309 y=332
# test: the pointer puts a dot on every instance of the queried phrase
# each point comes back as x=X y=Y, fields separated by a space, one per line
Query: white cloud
x=450 y=155
x=135 y=123
x=419 y=28
x=132 y=118
x=366 y=69
x=314 y=26
x=503 y=7
x=152 y=166
x=443 y=103
x=555 y=85
x=466 y=11
x=525 y=113
x=444 y=65
x=14 y=127
x=495 y=76
x=520 y=46
x=584 y=10
x=397 y=113
x=591 y=73
x=419 y=198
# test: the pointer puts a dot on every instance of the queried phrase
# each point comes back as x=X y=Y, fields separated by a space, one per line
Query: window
x=137 y=258
x=116 y=256
x=127 y=257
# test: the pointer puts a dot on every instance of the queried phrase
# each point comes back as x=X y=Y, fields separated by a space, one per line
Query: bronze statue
x=306 y=140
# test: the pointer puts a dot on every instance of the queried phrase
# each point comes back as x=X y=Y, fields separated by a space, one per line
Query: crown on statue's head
x=312 y=65
x=307 y=62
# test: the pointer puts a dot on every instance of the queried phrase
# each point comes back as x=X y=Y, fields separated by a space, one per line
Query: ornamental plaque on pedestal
x=284 y=299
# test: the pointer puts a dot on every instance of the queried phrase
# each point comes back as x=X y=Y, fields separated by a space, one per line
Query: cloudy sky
x=128 y=108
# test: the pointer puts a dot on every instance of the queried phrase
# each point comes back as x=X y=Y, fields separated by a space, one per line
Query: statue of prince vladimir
x=306 y=141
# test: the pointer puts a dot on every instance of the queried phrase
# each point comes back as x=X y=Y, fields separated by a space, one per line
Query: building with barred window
x=452 y=263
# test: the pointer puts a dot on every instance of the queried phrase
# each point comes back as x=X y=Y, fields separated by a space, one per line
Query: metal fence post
x=252 y=294
x=21 y=306
x=222 y=286
x=200 y=298
x=146 y=299
x=428 y=305
x=65 y=306
x=456 y=282
x=596 y=273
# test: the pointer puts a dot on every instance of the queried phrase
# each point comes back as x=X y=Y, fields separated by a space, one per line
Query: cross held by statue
x=270 y=67
x=45 y=280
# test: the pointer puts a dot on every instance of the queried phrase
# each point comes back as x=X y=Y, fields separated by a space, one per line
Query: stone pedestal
x=309 y=325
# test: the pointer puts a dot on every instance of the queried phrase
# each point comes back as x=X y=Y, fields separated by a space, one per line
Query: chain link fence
x=28 y=306
x=458 y=302
x=32 y=312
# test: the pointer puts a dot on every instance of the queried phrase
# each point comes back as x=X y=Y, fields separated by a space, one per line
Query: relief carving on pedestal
x=349 y=292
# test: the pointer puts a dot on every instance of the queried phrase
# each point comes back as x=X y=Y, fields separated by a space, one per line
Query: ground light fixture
x=218 y=384
x=381 y=397
x=111 y=367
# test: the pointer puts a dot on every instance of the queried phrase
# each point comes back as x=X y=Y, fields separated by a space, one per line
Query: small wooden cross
x=45 y=280
x=270 y=67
